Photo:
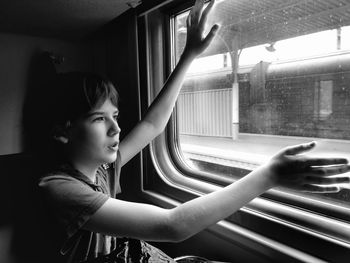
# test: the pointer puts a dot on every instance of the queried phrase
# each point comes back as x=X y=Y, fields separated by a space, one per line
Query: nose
x=114 y=129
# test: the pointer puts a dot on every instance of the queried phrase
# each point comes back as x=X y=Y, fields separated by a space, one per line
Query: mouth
x=114 y=146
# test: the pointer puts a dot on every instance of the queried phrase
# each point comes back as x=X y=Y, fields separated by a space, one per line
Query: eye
x=116 y=117
x=99 y=119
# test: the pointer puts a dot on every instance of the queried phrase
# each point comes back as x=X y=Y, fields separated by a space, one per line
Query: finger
x=205 y=13
x=297 y=149
x=210 y=35
x=196 y=11
x=326 y=161
x=188 y=20
x=327 y=180
x=313 y=188
x=331 y=170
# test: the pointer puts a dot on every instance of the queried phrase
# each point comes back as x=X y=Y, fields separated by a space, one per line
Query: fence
x=205 y=113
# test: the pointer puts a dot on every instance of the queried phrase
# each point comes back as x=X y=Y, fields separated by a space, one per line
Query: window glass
x=277 y=74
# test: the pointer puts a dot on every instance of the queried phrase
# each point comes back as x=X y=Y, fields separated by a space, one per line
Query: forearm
x=158 y=113
x=161 y=108
x=202 y=212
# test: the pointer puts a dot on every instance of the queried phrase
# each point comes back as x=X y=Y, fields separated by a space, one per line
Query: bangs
x=97 y=91
x=77 y=93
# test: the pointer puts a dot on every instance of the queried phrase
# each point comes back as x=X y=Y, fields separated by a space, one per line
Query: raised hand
x=292 y=169
x=196 y=43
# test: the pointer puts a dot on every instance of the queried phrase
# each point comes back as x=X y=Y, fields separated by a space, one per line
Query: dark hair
x=76 y=93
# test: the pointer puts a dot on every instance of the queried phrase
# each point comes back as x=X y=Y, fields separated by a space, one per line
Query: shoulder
x=58 y=181
x=64 y=176
x=60 y=187
x=69 y=198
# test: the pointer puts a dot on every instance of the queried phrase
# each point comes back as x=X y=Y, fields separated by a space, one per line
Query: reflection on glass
x=291 y=60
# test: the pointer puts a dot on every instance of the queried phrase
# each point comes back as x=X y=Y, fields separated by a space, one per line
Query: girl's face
x=94 y=139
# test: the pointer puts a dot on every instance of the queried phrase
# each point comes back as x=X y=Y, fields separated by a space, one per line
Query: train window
x=277 y=74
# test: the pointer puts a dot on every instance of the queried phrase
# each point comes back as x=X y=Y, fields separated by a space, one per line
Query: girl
x=85 y=223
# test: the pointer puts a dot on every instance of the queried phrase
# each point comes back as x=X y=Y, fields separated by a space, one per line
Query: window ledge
x=258 y=242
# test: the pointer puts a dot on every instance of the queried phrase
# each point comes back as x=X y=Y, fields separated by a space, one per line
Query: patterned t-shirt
x=71 y=198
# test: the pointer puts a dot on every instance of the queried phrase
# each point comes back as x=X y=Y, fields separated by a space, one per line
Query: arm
x=287 y=168
x=160 y=110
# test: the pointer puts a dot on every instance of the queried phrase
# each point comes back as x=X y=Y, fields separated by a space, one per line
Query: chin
x=111 y=158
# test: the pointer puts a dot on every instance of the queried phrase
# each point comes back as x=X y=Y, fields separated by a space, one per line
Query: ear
x=60 y=134
x=61 y=139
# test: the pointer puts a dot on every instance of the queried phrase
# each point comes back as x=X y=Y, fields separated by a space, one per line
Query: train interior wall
x=17 y=53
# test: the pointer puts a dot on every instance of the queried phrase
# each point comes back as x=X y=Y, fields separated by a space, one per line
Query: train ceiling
x=59 y=18
x=255 y=21
x=266 y=21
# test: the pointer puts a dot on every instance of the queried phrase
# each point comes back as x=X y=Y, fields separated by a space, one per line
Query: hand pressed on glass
x=291 y=168
x=196 y=43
